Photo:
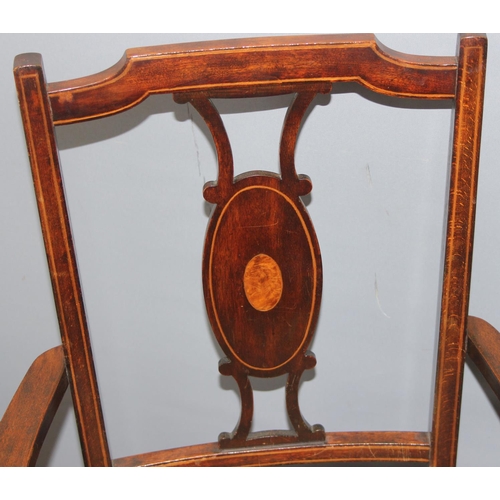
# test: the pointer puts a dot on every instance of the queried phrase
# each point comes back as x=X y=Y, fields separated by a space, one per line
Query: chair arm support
x=28 y=417
x=483 y=348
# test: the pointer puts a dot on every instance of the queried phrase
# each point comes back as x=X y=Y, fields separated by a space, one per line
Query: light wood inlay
x=263 y=282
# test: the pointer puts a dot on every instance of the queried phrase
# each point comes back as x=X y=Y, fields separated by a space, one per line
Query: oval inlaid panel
x=262 y=282
x=263 y=277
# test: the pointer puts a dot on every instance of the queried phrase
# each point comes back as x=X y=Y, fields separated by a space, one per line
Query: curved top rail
x=243 y=66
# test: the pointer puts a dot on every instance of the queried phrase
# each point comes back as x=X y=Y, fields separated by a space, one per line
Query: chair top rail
x=244 y=67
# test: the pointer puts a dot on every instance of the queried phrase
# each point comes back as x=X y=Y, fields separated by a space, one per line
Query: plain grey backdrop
x=134 y=183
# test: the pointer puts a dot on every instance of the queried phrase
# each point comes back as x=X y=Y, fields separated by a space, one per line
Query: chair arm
x=483 y=348
x=28 y=417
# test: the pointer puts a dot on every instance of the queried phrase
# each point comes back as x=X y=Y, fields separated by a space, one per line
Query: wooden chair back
x=262 y=286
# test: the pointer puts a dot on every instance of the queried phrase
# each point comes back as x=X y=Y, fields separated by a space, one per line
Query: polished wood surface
x=248 y=268
x=29 y=415
x=483 y=348
x=458 y=252
x=243 y=67
x=338 y=447
x=258 y=271
x=44 y=158
x=263 y=282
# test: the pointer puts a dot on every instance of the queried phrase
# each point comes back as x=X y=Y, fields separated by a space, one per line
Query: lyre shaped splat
x=262 y=273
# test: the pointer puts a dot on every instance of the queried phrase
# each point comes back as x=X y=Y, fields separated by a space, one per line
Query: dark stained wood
x=262 y=299
x=246 y=64
x=458 y=252
x=483 y=348
x=338 y=447
x=31 y=411
x=44 y=158
x=238 y=233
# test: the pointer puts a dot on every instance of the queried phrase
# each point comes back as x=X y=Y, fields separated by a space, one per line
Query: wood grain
x=483 y=348
x=262 y=282
x=260 y=213
x=31 y=411
x=54 y=219
x=458 y=251
x=249 y=64
x=262 y=299
x=342 y=447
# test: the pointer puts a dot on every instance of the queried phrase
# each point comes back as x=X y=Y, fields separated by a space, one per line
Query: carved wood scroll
x=262 y=273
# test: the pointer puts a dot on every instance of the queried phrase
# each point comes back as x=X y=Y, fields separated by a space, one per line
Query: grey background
x=134 y=183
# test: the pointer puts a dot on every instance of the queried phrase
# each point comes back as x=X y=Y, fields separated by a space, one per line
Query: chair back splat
x=262 y=271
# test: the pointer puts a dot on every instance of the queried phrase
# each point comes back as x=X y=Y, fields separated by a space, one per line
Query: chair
x=262 y=288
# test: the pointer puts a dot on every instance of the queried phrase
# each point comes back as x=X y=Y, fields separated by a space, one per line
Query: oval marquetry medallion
x=263 y=282
x=262 y=276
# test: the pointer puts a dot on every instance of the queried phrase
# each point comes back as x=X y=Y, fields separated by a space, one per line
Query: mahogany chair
x=277 y=263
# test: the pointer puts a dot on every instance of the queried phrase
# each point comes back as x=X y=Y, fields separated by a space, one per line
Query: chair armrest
x=28 y=417
x=483 y=348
